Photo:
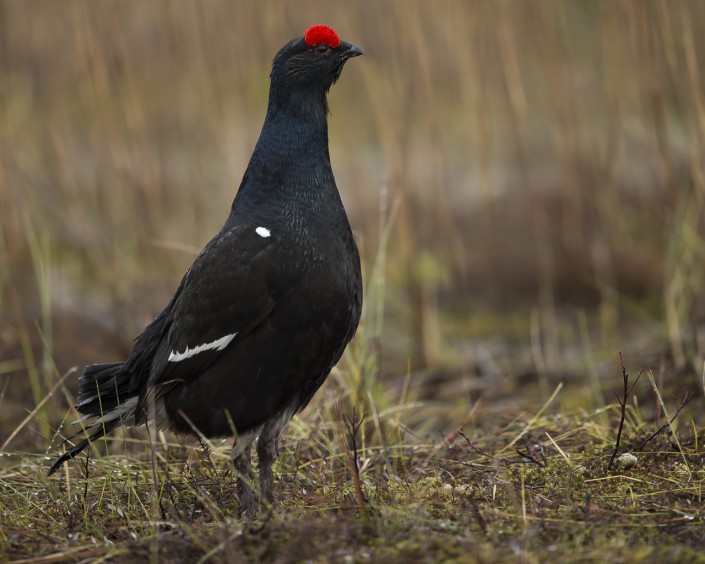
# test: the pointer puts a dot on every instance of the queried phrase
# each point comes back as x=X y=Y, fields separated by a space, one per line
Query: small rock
x=627 y=459
x=681 y=468
x=450 y=490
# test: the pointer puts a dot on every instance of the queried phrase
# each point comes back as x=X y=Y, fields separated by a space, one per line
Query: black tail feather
x=102 y=430
x=101 y=389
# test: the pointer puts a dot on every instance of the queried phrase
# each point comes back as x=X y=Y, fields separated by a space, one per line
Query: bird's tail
x=103 y=394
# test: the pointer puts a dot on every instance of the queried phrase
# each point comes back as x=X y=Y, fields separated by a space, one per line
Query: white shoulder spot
x=263 y=232
x=218 y=345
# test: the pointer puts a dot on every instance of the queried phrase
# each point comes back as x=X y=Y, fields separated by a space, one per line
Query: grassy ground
x=526 y=183
x=522 y=486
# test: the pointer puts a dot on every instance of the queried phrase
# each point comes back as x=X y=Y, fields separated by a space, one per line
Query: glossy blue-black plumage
x=288 y=302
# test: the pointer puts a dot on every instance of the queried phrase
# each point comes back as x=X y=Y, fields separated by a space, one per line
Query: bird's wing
x=227 y=292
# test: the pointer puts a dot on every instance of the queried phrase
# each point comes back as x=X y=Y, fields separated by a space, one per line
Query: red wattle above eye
x=317 y=34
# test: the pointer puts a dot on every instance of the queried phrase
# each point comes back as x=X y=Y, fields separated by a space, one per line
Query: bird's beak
x=350 y=50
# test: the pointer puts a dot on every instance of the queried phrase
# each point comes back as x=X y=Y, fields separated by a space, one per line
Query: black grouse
x=270 y=303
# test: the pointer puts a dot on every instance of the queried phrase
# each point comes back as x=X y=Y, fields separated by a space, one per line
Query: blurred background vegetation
x=538 y=167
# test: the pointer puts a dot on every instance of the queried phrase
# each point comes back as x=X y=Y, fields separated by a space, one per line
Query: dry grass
x=526 y=180
x=531 y=488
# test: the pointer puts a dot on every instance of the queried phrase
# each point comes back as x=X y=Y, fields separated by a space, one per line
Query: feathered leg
x=267 y=453
x=242 y=458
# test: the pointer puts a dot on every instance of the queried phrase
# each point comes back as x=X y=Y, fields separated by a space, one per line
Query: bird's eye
x=322 y=48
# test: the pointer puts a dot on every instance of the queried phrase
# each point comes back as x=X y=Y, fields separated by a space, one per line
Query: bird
x=268 y=306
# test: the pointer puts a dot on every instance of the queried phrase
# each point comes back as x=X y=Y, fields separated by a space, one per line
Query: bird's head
x=313 y=62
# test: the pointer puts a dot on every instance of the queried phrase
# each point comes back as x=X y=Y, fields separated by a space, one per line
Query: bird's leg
x=242 y=468
x=268 y=450
x=267 y=453
x=242 y=457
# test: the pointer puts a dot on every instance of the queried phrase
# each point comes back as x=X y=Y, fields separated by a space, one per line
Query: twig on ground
x=207 y=450
x=586 y=507
x=684 y=401
x=524 y=456
x=531 y=457
x=627 y=390
x=478 y=450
